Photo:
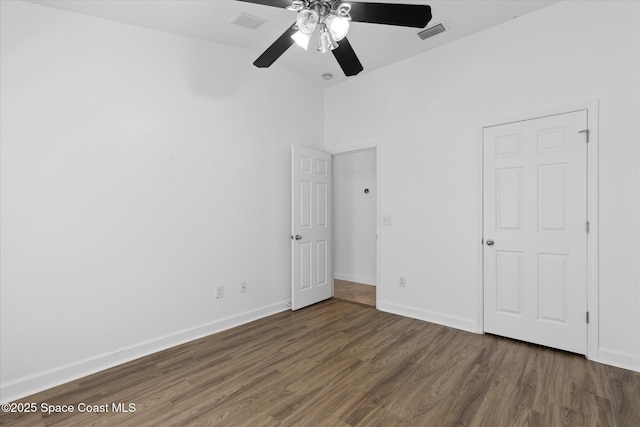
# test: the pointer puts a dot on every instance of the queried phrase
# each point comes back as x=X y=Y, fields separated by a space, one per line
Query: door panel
x=509 y=282
x=304 y=266
x=321 y=262
x=552 y=287
x=535 y=241
x=552 y=197
x=509 y=198
x=310 y=227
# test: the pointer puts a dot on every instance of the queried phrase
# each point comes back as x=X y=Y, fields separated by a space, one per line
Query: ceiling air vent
x=432 y=31
x=248 y=21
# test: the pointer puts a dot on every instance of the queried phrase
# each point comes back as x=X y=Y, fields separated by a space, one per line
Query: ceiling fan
x=332 y=18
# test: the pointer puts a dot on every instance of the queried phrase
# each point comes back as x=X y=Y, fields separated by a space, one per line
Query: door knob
x=297 y=237
x=490 y=242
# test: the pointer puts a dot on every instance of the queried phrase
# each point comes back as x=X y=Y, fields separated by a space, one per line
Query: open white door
x=535 y=231
x=311 y=273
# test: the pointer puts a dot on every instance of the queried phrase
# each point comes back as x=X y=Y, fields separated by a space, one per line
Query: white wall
x=427 y=112
x=139 y=170
x=354 y=217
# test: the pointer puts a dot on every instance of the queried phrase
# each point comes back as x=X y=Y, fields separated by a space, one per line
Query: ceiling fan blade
x=347 y=58
x=404 y=15
x=274 y=3
x=276 y=50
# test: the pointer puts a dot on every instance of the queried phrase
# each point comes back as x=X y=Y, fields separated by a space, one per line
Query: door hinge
x=586 y=133
x=587 y=317
x=586 y=226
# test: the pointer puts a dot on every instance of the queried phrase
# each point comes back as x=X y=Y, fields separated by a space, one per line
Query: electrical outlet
x=219 y=292
x=402 y=282
x=243 y=287
x=387 y=220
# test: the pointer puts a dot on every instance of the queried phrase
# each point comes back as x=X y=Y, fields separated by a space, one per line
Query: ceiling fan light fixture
x=332 y=20
x=307 y=21
x=302 y=39
x=338 y=26
x=327 y=43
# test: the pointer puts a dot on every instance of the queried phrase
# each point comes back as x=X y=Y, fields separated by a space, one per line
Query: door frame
x=366 y=147
x=592 y=108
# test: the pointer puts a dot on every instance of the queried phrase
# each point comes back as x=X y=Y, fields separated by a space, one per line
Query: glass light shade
x=338 y=26
x=302 y=39
x=307 y=21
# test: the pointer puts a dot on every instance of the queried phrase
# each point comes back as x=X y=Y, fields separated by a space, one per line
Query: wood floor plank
x=354 y=292
x=341 y=364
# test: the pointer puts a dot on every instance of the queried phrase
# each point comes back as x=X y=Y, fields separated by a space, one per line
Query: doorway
x=355 y=200
x=535 y=230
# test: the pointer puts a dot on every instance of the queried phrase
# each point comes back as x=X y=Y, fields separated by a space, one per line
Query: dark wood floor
x=343 y=364
x=354 y=292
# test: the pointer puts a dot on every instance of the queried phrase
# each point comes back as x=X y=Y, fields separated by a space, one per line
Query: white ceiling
x=376 y=45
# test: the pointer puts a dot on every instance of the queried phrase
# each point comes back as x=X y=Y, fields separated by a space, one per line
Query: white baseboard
x=618 y=359
x=354 y=278
x=44 y=380
x=429 y=316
